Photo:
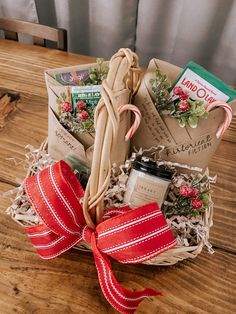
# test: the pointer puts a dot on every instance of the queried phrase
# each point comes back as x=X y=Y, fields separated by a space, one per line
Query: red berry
x=194 y=192
x=81 y=105
x=196 y=203
x=183 y=106
x=83 y=115
x=66 y=107
x=177 y=90
x=185 y=191
x=183 y=95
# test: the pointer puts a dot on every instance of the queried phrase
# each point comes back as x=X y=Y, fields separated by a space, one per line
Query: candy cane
x=137 y=120
x=228 y=115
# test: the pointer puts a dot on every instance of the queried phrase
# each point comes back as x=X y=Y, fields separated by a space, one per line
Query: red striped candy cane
x=137 y=120
x=228 y=115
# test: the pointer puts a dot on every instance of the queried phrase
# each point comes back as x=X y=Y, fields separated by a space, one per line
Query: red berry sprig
x=188 y=196
x=81 y=105
x=178 y=104
x=189 y=192
x=183 y=106
x=196 y=203
x=82 y=114
x=183 y=95
x=66 y=107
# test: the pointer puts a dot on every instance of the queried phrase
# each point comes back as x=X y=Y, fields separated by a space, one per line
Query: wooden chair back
x=40 y=33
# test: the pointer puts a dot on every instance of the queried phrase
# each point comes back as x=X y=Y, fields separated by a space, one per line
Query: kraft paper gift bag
x=61 y=142
x=191 y=146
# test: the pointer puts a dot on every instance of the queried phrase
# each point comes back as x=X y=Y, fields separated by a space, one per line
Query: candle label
x=146 y=191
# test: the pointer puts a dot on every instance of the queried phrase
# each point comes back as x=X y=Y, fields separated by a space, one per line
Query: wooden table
x=69 y=283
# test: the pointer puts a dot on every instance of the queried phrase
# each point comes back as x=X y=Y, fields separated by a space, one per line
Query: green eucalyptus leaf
x=192 y=105
x=99 y=61
x=182 y=122
x=205 y=199
x=205 y=115
x=192 y=121
x=199 y=111
x=198 y=102
x=93 y=76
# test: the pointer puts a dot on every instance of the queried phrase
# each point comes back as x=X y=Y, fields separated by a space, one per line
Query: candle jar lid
x=150 y=167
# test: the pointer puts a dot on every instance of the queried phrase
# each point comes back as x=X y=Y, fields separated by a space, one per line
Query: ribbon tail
x=122 y=299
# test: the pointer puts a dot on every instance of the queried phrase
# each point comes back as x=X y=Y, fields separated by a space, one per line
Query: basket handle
x=124 y=72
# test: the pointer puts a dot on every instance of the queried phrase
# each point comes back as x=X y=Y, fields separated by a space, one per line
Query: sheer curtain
x=173 y=30
x=181 y=30
x=95 y=27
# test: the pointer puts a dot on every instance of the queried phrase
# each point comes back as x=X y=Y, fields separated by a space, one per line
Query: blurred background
x=173 y=30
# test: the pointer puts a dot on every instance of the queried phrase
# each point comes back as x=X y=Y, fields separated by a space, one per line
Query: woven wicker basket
x=123 y=75
x=170 y=257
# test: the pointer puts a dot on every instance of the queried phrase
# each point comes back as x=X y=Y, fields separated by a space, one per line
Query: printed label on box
x=199 y=88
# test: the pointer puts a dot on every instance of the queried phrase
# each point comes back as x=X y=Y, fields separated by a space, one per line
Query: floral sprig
x=80 y=121
x=160 y=86
x=186 y=110
x=188 y=196
x=97 y=74
x=179 y=105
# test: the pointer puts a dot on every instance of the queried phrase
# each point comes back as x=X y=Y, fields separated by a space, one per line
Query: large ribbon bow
x=131 y=237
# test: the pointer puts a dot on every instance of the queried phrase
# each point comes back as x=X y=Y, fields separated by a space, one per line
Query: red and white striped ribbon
x=131 y=237
x=228 y=115
x=137 y=119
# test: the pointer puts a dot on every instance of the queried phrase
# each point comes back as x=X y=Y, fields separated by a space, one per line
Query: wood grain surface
x=69 y=283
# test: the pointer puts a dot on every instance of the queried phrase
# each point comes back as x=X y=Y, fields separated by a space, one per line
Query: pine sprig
x=188 y=196
x=160 y=85
x=97 y=74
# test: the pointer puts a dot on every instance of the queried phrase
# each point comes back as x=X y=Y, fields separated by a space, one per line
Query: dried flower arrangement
x=178 y=104
x=189 y=196
x=75 y=114
x=79 y=120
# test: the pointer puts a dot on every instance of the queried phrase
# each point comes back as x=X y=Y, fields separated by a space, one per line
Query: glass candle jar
x=147 y=183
